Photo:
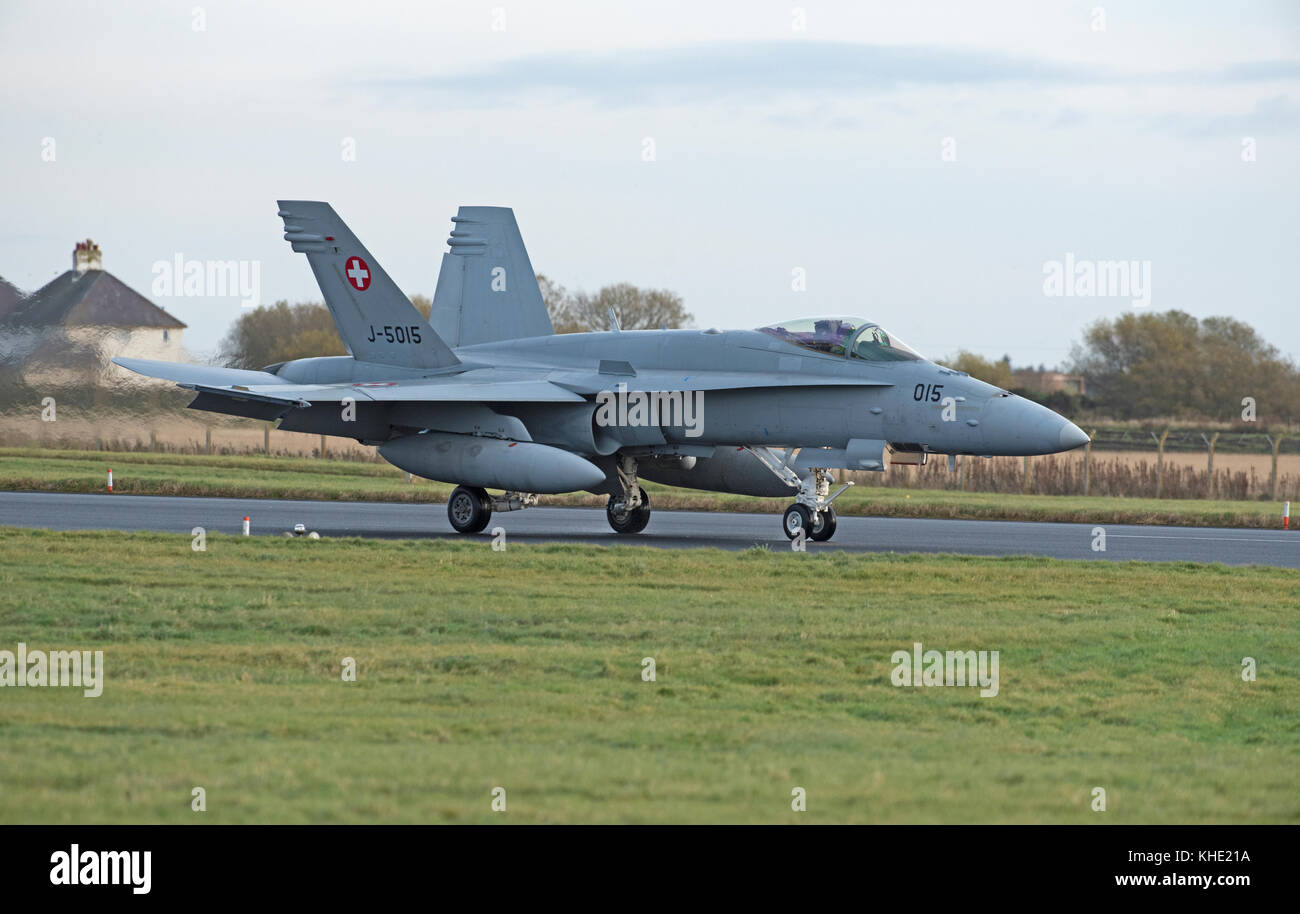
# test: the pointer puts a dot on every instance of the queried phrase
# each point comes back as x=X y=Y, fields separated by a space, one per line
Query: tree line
x=1168 y=365
x=280 y=332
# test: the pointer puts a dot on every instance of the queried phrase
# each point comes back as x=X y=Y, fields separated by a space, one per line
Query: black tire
x=629 y=522
x=797 y=517
x=469 y=509
x=826 y=529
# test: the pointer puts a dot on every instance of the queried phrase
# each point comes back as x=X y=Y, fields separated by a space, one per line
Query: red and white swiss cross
x=358 y=273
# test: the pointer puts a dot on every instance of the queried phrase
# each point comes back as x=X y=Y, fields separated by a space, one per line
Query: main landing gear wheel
x=469 y=509
x=823 y=525
x=633 y=521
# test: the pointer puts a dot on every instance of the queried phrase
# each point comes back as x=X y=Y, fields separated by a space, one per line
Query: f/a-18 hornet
x=485 y=395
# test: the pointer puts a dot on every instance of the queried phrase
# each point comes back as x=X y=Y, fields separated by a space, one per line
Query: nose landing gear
x=819 y=526
x=812 y=511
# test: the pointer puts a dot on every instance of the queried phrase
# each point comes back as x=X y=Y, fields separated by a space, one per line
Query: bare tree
x=556 y=299
x=635 y=308
x=279 y=332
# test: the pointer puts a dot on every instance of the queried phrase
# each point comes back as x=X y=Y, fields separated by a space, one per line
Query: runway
x=667 y=529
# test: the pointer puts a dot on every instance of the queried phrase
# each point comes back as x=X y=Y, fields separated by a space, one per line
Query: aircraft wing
x=262 y=394
x=448 y=390
x=588 y=382
x=263 y=387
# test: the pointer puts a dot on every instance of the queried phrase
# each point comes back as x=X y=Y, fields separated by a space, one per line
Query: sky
x=926 y=165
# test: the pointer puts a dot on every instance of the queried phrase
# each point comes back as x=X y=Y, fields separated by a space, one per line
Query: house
x=1049 y=381
x=66 y=332
x=10 y=296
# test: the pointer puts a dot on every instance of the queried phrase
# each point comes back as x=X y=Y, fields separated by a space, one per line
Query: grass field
x=522 y=669
x=32 y=469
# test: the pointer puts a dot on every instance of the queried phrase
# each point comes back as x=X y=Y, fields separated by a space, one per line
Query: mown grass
x=34 y=469
x=522 y=669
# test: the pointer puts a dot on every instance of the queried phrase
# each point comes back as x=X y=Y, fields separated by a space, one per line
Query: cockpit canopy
x=854 y=337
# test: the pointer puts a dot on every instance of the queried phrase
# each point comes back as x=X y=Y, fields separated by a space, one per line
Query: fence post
x=1087 y=462
x=1209 y=467
x=1160 y=460
x=1272 y=476
x=266 y=439
x=1024 y=486
x=322 y=445
x=965 y=471
x=153 y=440
x=207 y=440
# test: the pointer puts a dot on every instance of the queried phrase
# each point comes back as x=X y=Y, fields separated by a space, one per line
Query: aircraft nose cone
x=1016 y=426
x=1072 y=436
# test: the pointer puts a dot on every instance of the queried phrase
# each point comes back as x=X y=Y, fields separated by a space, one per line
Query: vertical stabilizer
x=375 y=319
x=487 y=290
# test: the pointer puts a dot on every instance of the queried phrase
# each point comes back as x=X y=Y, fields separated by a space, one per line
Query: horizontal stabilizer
x=190 y=375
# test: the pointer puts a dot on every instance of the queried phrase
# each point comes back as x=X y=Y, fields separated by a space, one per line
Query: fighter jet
x=486 y=396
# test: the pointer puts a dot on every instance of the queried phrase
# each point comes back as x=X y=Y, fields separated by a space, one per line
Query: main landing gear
x=628 y=511
x=470 y=508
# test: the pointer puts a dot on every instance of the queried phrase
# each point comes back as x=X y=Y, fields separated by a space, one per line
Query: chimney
x=86 y=256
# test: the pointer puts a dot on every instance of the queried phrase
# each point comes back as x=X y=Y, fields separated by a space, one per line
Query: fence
x=1120 y=462
x=186 y=434
x=1228 y=465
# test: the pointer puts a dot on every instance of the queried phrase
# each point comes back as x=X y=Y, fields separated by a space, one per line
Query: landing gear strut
x=628 y=512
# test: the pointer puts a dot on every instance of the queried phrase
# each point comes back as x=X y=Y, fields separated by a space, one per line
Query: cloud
x=759 y=70
x=755 y=70
x=1270 y=116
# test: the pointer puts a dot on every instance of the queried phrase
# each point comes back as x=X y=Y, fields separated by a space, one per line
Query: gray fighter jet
x=486 y=396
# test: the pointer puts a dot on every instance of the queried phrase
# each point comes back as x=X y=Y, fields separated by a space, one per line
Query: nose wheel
x=812 y=512
x=823 y=525
x=818 y=526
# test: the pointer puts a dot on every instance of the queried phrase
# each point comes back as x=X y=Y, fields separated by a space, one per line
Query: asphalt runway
x=667 y=529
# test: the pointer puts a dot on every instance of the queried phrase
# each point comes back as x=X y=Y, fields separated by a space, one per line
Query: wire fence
x=1120 y=462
